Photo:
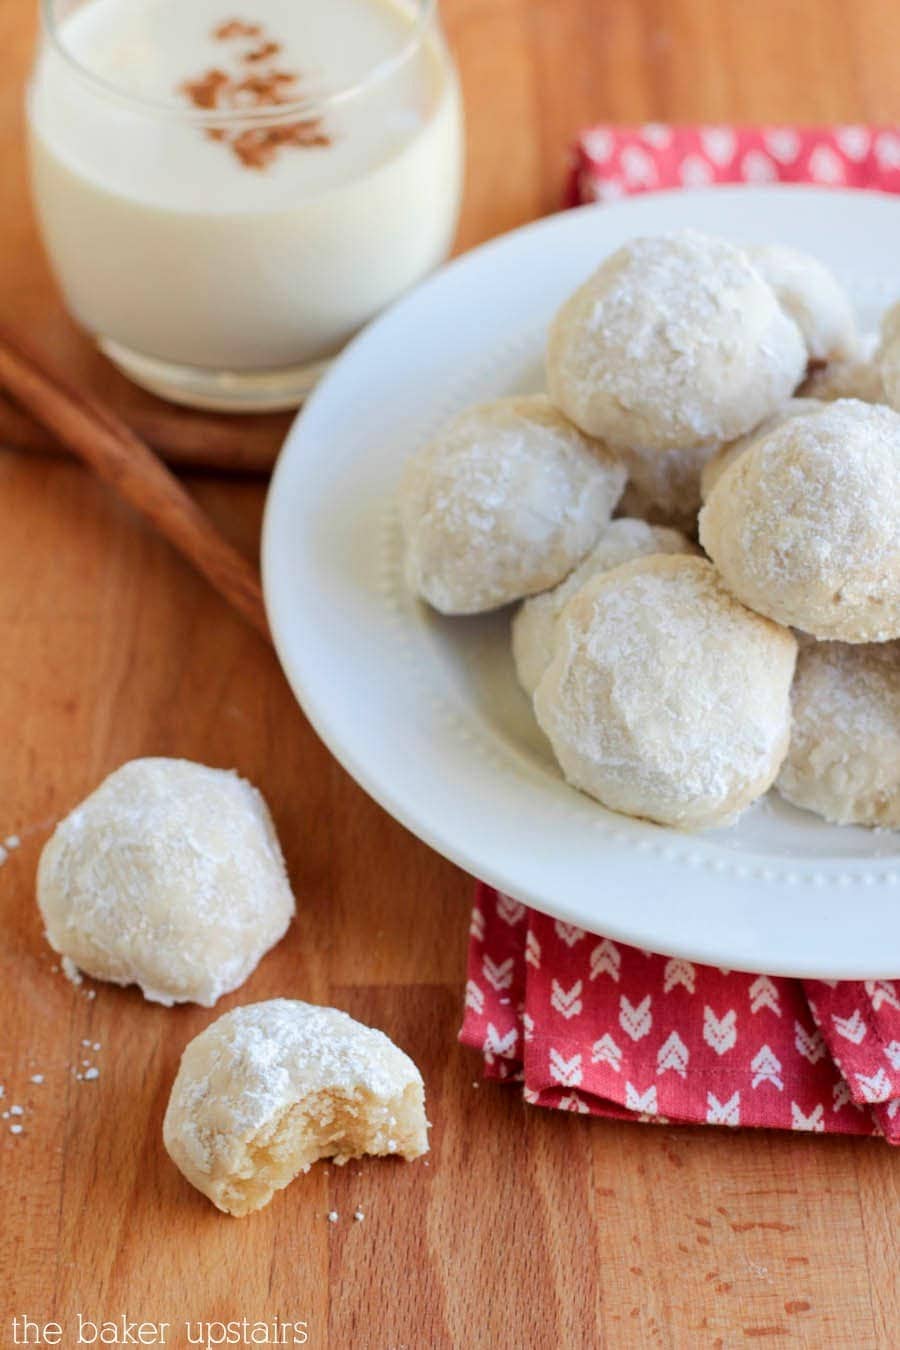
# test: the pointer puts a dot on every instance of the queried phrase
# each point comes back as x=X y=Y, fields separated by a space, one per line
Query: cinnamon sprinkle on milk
x=268 y=86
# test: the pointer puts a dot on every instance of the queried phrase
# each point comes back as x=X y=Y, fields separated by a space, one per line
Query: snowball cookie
x=666 y=698
x=727 y=454
x=675 y=341
x=844 y=758
x=534 y=625
x=813 y=297
x=170 y=877
x=858 y=377
x=503 y=503
x=805 y=525
x=664 y=488
x=887 y=357
x=270 y=1088
x=889 y=328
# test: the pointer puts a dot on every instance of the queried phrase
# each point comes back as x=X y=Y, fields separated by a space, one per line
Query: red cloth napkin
x=586 y=1024
x=590 y=1025
x=612 y=162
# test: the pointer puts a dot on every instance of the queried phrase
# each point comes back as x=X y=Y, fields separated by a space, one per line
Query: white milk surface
x=164 y=241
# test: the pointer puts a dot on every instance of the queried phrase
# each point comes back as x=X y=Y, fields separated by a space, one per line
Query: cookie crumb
x=92 y=1073
x=333 y=1216
x=358 y=1216
x=35 y=1078
x=71 y=971
x=11 y=841
x=15 y=1129
x=16 y=1111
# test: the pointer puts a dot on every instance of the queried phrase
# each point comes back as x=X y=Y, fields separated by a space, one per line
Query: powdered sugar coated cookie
x=675 y=341
x=502 y=504
x=813 y=297
x=666 y=698
x=270 y=1088
x=844 y=757
x=168 y=876
x=804 y=526
x=535 y=623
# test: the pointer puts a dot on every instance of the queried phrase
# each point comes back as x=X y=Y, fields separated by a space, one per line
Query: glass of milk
x=227 y=192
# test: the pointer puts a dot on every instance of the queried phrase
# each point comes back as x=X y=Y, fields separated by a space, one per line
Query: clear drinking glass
x=226 y=200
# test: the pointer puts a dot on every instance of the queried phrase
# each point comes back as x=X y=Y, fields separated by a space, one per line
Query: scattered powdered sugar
x=10 y=843
x=88 y=1072
x=18 y=1112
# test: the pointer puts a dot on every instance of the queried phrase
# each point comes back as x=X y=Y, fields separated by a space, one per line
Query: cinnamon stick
x=90 y=430
x=189 y=440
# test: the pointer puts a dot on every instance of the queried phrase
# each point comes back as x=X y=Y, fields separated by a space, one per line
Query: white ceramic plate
x=425 y=712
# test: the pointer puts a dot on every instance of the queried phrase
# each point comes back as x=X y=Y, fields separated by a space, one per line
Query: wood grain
x=526 y=1228
x=107 y=446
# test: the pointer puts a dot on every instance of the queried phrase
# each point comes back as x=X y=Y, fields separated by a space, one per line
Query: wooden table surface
x=526 y=1228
